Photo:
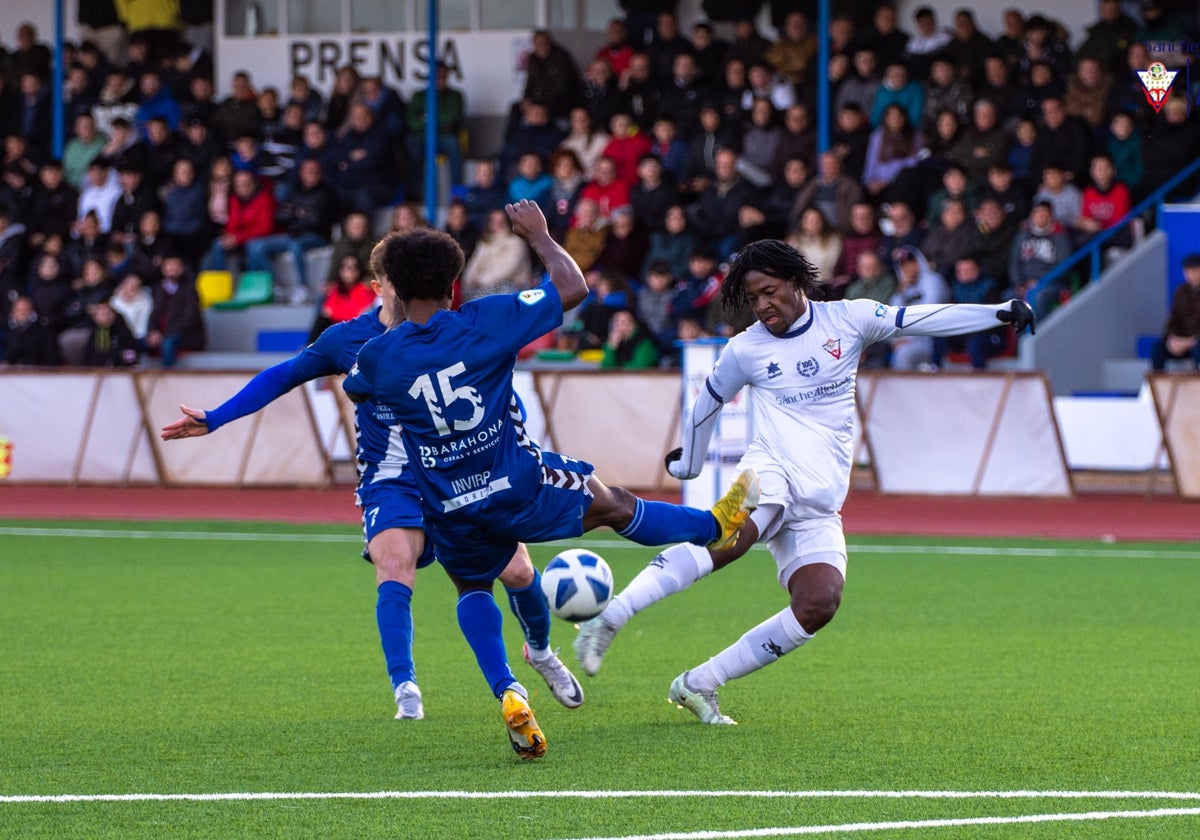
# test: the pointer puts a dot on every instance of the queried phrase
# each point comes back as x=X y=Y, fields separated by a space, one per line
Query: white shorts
x=818 y=540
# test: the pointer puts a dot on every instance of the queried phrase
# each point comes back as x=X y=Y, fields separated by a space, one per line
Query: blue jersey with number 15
x=449 y=384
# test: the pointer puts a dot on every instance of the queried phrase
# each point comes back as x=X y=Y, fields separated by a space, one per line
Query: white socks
x=758 y=647
x=677 y=568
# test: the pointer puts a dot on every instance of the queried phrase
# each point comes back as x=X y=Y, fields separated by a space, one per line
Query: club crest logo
x=880 y=310
x=808 y=367
x=1156 y=80
x=833 y=346
x=773 y=370
x=6 y=453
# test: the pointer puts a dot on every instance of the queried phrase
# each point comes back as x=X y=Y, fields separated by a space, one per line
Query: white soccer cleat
x=595 y=635
x=408 y=702
x=703 y=704
x=563 y=685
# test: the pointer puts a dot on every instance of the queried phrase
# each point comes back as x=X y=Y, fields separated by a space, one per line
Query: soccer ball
x=578 y=584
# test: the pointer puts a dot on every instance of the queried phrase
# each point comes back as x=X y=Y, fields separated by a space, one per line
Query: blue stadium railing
x=1093 y=250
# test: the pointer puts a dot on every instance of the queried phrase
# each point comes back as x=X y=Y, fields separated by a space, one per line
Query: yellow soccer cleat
x=523 y=730
x=733 y=509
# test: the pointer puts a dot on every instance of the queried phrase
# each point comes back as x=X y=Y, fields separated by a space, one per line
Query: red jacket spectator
x=252 y=216
x=626 y=148
x=606 y=189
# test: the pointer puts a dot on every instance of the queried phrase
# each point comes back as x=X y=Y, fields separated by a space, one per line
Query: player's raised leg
x=523 y=583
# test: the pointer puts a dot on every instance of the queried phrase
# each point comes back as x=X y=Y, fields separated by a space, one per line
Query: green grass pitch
x=240 y=664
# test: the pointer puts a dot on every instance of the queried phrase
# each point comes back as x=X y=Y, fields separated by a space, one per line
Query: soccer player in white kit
x=799 y=361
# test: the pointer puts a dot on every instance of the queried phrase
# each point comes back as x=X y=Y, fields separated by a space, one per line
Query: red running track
x=1089 y=517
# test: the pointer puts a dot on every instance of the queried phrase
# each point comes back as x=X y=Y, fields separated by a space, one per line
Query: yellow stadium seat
x=214 y=287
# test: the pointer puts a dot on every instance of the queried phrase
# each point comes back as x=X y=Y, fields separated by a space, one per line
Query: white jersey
x=802 y=399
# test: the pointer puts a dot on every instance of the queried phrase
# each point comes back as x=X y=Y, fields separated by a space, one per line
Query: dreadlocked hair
x=771 y=257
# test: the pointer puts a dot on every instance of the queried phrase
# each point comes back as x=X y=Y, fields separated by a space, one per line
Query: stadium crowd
x=964 y=166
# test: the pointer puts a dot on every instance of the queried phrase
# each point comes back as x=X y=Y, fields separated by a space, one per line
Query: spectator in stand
x=135 y=200
x=50 y=290
x=831 y=192
x=767 y=217
x=863 y=235
x=883 y=38
x=983 y=143
x=1011 y=44
x=9 y=108
x=665 y=46
x=251 y=216
x=916 y=283
x=200 y=103
x=1162 y=34
x=606 y=189
x=748 y=46
x=973 y=285
x=945 y=92
x=653 y=194
x=709 y=51
x=715 y=134
x=110 y=342
x=566 y=182
x=162 y=150
x=669 y=149
x=92 y=286
x=956 y=186
x=500 y=264
x=1040 y=245
x=1015 y=197
x=347 y=295
x=616 y=49
x=99 y=25
x=533 y=132
x=673 y=244
x=458 y=225
x=1129 y=97
x=715 y=214
x=387 y=107
x=30 y=340
x=872 y=280
x=898 y=89
x=149 y=247
x=238 y=113
x=81 y=150
x=123 y=145
x=683 y=95
x=584 y=239
x=795 y=51
x=35 y=119
x=345 y=89
x=762 y=82
x=654 y=306
x=798 y=139
x=969 y=47
x=900 y=228
x=860 y=87
x=850 y=139
x=1105 y=202
x=156 y=101
x=116 y=100
x=1040 y=86
x=999 y=89
x=626 y=245
x=1064 y=197
x=949 y=238
x=697 y=287
x=760 y=143
x=1170 y=145
x=600 y=93
x=55 y=205
x=356 y=239
x=1064 y=138
x=176 y=324
x=485 y=194
x=12 y=253
x=85 y=242
x=1087 y=95
x=1125 y=149
x=101 y=190
x=302 y=93
x=927 y=43
x=640 y=95
x=820 y=244
x=364 y=168
x=626 y=147
x=530 y=181
x=585 y=140
x=305 y=221
x=197 y=144
x=1024 y=156
x=1181 y=337
x=994 y=234
x=894 y=146
x=135 y=303
x=728 y=95
x=586 y=326
x=552 y=77
x=406 y=217
x=1045 y=43
x=451 y=123
x=629 y=345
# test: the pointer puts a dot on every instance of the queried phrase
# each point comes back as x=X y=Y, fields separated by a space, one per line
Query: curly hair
x=422 y=264
x=771 y=257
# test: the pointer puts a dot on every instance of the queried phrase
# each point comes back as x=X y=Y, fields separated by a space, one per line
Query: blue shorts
x=476 y=544
x=392 y=503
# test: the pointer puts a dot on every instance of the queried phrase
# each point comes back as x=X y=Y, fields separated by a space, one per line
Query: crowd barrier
x=977 y=433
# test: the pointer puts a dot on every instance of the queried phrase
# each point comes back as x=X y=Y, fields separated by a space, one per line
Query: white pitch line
x=1100 y=550
x=599 y=794
x=846 y=828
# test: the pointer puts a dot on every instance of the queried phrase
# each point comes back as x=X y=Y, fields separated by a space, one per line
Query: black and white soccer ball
x=578 y=584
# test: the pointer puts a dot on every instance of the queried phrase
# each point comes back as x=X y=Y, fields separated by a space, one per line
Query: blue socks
x=660 y=523
x=481 y=622
x=530 y=607
x=393 y=614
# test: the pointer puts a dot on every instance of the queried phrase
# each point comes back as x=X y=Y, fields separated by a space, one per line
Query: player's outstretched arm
x=191 y=424
x=947 y=319
x=529 y=223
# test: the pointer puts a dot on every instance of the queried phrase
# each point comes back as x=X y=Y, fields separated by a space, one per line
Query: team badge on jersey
x=773 y=370
x=809 y=367
x=531 y=296
x=833 y=347
x=880 y=310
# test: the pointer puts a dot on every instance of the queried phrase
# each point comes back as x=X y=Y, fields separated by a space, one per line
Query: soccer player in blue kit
x=391 y=506
x=485 y=484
